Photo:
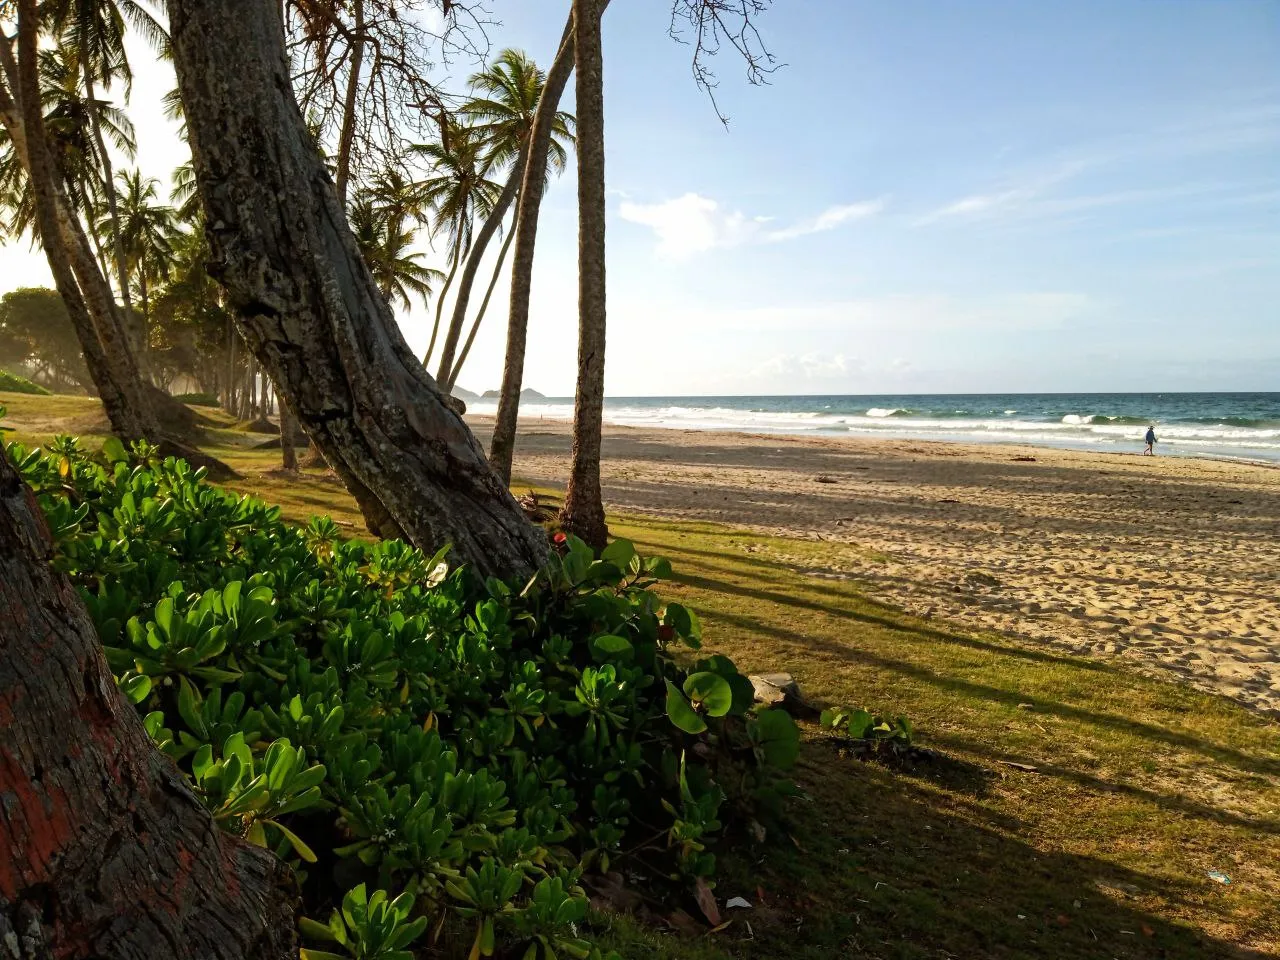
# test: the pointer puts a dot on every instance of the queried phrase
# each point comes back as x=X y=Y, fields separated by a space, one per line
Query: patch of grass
x=1140 y=787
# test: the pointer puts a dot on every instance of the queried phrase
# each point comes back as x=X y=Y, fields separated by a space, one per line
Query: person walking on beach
x=1150 y=451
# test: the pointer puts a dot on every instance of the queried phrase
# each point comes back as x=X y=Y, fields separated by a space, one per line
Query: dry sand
x=1172 y=561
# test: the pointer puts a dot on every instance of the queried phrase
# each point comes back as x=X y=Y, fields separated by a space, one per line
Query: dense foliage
x=387 y=723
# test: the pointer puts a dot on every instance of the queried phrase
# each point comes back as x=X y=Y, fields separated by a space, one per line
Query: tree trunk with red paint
x=104 y=850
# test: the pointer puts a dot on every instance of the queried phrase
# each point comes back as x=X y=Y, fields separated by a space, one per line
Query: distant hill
x=528 y=393
x=465 y=395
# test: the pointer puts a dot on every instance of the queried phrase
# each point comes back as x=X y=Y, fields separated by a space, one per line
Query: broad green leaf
x=711 y=691
x=778 y=737
x=114 y=450
x=681 y=713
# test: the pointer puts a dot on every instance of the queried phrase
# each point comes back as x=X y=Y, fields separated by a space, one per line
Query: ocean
x=1242 y=426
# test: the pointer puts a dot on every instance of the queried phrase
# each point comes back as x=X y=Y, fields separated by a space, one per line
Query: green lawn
x=1139 y=788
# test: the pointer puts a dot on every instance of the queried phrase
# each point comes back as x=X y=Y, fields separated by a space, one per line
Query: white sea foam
x=1073 y=430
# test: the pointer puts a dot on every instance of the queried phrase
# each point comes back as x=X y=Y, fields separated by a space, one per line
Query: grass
x=1140 y=787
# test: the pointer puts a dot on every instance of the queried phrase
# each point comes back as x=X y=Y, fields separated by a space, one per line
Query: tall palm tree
x=148 y=233
x=583 y=510
x=501 y=113
x=502 y=447
x=457 y=192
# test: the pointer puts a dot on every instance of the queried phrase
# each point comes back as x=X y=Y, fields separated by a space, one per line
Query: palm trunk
x=107 y=852
x=484 y=305
x=67 y=249
x=583 y=511
x=346 y=138
x=503 y=445
x=462 y=299
x=310 y=310
x=454 y=259
x=109 y=187
x=230 y=403
x=288 y=436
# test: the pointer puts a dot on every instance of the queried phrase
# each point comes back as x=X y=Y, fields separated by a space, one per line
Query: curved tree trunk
x=583 y=511
x=67 y=248
x=308 y=306
x=462 y=299
x=484 y=306
x=502 y=447
x=104 y=851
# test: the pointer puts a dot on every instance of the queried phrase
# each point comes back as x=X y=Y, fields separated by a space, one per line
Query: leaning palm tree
x=457 y=192
x=93 y=32
x=501 y=113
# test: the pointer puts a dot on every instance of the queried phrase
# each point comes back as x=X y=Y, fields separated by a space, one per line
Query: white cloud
x=692 y=224
x=829 y=219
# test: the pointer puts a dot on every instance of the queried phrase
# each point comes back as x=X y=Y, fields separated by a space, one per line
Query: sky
x=937 y=196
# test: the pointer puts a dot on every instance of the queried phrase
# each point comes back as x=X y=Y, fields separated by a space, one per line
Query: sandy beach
x=1171 y=562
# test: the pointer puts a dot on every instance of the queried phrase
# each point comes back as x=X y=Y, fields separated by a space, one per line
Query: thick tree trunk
x=484 y=306
x=104 y=851
x=230 y=403
x=502 y=447
x=583 y=511
x=309 y=308
x=342 y=173
x=67 y=248
x=462 y=299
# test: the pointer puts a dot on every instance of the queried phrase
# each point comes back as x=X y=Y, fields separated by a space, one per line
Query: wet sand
x=1173 y=562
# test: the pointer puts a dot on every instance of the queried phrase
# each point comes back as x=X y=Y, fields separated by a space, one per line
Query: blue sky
x=928 y=197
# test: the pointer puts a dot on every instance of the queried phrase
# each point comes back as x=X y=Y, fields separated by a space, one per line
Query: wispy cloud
x=692 y=224
x=810 y=366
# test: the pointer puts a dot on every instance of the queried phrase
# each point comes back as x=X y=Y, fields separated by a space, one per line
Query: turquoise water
x=1228 y=425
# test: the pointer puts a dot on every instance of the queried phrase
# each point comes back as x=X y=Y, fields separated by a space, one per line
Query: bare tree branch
x=708 y=25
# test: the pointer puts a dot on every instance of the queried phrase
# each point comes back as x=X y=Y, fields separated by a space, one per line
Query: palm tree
x=502 y=114
x=583 y=510
x=502 y=447
x=93 y=32
x=457 y=192
x=148 y=231
x=384 y=242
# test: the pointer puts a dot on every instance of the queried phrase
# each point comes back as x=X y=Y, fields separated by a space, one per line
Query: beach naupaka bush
x=385 y=722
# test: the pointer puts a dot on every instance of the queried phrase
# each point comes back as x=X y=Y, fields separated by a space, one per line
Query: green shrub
x=12 y=383
x=402 y=725
x=874 y=736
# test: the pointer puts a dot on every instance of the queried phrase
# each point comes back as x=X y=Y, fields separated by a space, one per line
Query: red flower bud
x=559 y=538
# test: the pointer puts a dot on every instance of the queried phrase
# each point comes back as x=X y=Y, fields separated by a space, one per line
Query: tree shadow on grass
x=1248 y=763
x=883 y=869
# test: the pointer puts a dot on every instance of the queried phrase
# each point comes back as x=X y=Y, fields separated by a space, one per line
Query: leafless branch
x=708 y=25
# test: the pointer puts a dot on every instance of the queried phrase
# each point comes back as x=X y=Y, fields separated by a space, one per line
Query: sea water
x=1242 y=426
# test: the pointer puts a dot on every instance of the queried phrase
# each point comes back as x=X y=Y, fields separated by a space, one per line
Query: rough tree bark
x=308 y=306
x=503 y=445
x=462 y=299
x=70 y=257
x=583 y=511
x=104 y=851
